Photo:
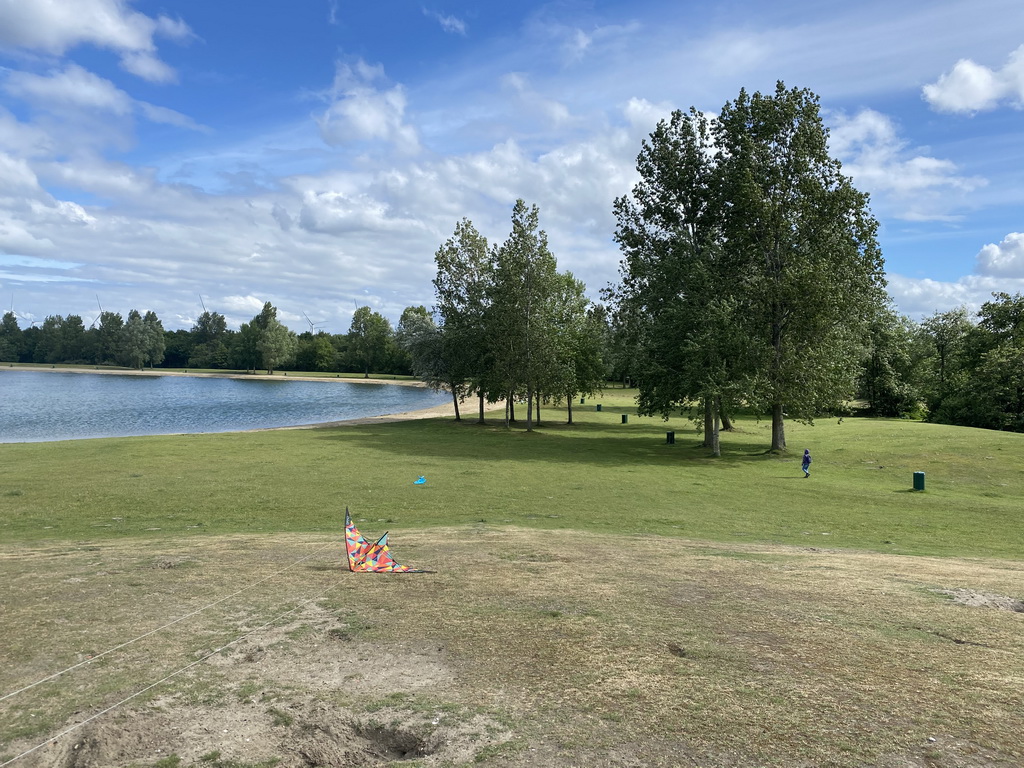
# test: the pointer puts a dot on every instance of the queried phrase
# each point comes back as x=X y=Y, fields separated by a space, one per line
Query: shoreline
x=446 y=409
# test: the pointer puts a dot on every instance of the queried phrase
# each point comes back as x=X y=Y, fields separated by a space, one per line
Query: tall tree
x=462 y=288
x=274 y=344
x=808 y=268
x=889 y=380
x=11 y=340
x=134 y=340
x=369 y=333
x=948 y=372
x=521 y=314
x=579 y=336
x=209 y=341
x=48 y=347
x=107 y=338
x=155 y=343
x=676 y=293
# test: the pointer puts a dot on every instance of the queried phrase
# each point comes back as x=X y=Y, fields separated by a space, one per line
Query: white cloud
x=919 y=298
x=450 y=24
x=972 y=87
x=918 y=187
x=530 y=102
x=71 y=88
x=56 y=26
x=167 y=116
x=1005 y=259
x=147 y=66
x=361 y=112
x=75 y=90
x=242 y=305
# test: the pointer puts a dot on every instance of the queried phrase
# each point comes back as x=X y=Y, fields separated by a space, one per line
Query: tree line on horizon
x=750 y=280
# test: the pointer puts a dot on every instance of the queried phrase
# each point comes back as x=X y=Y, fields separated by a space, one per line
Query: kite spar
x=365 y=557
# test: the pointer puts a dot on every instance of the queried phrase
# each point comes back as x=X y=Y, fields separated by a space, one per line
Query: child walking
x=806 y=466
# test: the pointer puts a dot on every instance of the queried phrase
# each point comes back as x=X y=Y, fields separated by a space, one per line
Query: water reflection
x=38 y=406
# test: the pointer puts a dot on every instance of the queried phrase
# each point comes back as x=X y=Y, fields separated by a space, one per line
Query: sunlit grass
x=599 y=475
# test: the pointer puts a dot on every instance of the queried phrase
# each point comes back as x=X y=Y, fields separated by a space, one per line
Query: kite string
x=94 y=657
x=112 y=707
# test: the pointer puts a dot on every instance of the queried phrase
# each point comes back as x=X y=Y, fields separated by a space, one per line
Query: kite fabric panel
x=365 y=557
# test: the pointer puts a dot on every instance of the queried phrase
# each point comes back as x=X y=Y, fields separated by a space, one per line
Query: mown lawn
x=599 y=475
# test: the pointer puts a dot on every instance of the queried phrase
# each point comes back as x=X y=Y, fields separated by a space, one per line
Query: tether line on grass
x=197 y=662
x=178 y=620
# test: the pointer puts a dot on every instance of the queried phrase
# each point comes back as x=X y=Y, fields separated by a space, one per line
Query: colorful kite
x=366 y=557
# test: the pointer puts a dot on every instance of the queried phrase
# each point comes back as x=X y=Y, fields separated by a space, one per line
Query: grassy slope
x=600 y=475
x=730 y=654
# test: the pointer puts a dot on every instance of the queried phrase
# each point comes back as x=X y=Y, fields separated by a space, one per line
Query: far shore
x=438 y=411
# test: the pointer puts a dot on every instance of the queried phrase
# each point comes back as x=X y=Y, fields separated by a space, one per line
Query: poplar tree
x=675 y=298
x=521 y=332
x=462 y=287
x=801 y=243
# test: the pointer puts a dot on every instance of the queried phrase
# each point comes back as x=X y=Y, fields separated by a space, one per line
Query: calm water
x=37 y=406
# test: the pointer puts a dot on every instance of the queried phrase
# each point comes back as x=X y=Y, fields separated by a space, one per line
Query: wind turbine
x=93 y=324
x=312 y=325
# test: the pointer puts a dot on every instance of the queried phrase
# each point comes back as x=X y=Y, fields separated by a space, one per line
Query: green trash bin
x=625 y=419
x=597 y=407
x=919 y=481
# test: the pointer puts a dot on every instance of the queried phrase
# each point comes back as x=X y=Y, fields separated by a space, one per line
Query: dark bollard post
x=919 y=481
x=670 y=438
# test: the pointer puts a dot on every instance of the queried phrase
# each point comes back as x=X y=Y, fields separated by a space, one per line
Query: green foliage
x=975 y=372
x=370 y=335
x=750 y=264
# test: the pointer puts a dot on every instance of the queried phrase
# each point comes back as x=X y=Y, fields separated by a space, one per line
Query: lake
x=38 y=406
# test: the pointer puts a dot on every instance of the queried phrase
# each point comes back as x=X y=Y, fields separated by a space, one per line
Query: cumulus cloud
x=1003 y=259
x=920 y=297
x=919 y=187
x=972 y=87
x=359 y=111
x=55 y=27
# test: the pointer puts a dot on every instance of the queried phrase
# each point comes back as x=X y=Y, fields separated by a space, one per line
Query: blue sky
x=315 y=154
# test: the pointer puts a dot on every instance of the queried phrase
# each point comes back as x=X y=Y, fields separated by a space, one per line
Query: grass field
x=599 y=597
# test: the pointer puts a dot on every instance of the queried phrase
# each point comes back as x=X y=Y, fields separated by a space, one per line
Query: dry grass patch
x=525 y=648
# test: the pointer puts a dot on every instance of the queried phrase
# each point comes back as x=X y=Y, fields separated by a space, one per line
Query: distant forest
x=952 y=367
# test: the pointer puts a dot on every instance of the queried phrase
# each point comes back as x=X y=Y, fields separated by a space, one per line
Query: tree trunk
x=537 y=420
x=707 y=422
x=480 y=392
x=511 y=409
x=455 y=401
x=778 y=428
x=726 y=421
x=529 y=410
x=716 y=444
x=569 y=401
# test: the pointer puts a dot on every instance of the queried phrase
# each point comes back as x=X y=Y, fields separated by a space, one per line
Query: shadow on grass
x=583 y=442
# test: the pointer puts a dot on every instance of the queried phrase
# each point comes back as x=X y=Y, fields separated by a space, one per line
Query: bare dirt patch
x=977 y=599
x=524 y=648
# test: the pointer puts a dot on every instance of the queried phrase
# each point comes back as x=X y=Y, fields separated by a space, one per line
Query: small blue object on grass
x=421 y=480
